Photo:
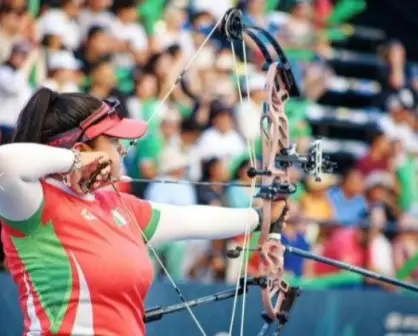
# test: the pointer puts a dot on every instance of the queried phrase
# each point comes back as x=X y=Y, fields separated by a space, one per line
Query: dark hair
x=49 y=113
x=190 y=125
x=207 y=166
x=243 y=164
x=173 y=50
x=152 y=62
x=94 y=30
x=104 y=60
x=375 y=134
x=123 y=4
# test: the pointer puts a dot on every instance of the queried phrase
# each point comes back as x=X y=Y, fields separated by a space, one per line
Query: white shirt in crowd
x=381 y=255
x=134 y=34
x=65 y=88
x=181 y=38
x=88 y=19
x=216 y=7
x=58 y=18
x=248 y=118
x=399 y=132
x=226 y=146
x=14 y=94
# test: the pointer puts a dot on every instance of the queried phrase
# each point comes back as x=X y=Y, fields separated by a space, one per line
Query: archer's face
x=113 y=148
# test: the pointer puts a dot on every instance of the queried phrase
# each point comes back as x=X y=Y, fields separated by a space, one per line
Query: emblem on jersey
x=88 y=215
x=118 y=218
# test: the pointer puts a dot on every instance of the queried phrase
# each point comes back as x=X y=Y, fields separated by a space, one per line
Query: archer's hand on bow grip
x=279 y=216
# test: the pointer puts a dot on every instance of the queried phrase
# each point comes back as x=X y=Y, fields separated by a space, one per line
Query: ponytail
x=30 y=124
x=49 y=113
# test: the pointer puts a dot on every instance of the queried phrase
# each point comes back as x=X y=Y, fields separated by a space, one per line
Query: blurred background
x=355 y=62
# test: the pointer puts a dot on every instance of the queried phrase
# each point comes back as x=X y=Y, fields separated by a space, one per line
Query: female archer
x=78 y=251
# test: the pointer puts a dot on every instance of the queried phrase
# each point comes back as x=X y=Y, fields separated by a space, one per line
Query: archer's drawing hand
x=90 y=163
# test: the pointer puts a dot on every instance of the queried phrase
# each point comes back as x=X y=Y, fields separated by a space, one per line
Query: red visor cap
x=113 y=125
x=127 y=129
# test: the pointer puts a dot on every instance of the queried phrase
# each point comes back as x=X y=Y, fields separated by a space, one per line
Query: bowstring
x=243 y=262
x=252 y=192
x=161 y=264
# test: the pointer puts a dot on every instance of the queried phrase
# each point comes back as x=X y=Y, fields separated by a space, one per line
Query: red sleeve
x=141 y=209
x=147 y=217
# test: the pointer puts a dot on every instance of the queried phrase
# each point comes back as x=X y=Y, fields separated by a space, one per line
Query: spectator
x=131 y=39
x=14 y=85
x=97 y=46
x=396 y=124
x=62 y=74
x=217 y=8
x=378 y=156
x=315 y=203
x=349 y=205
x=395 y=75
x=52 y=42
x=144 y=161
x=380 y=194
x=145 y=100
x=189 y=133
x=170 y=31
x=10 y=22
x=345 y=245
x=379 y=252
x=406 y=172
x=63 y=13
x=95 y=14
x=405 y=247
x=221 y=139
x=256 y=14
x=293 y=264
x=224 y=88
x=173 y=167
x=249 y=112
x=298 y=32
x=103 y=84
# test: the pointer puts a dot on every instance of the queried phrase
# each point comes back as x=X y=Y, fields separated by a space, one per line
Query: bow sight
x=313 y=164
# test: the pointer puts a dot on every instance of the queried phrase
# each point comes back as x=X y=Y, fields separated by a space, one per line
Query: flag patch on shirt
x=118 y=218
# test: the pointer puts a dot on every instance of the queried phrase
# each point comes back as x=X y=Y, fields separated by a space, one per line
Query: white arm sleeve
x=21 y=167
x=201 y=222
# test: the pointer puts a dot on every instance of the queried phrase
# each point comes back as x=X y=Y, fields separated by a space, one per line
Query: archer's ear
x=82 y=147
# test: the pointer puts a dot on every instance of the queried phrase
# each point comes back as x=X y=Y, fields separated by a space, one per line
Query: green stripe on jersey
x=27 y=226
x=46 y=262
x=152 y=224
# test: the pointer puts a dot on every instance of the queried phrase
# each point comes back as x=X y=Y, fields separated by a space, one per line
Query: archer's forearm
x=202 y=222
x=22 y=165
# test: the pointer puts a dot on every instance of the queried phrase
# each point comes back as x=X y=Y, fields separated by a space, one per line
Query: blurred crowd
x=134 y=52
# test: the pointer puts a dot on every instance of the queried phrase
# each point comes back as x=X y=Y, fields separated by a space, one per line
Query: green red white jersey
x=94 y=254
